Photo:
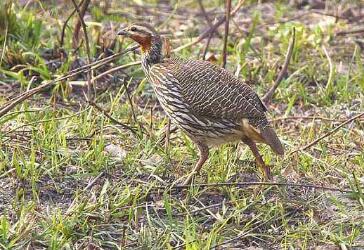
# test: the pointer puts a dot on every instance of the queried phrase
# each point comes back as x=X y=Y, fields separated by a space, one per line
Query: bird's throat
x=145 y=42
x=152 y=52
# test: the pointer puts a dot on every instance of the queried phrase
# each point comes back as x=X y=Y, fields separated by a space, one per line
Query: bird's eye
x=133 y=29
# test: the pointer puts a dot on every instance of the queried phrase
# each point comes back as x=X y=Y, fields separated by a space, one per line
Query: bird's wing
x=213 y=92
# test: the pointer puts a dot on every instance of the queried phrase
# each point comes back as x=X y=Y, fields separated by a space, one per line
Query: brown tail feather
x=272 y=140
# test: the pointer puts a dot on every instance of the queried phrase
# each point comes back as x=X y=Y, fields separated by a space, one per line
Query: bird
x=207 y=102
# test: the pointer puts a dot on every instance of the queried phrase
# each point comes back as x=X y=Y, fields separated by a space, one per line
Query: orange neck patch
x=145 y=42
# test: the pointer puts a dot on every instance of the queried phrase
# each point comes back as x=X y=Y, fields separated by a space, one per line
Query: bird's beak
x=123 y=32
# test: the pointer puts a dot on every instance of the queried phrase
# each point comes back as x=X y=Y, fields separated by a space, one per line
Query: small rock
x=116 y=151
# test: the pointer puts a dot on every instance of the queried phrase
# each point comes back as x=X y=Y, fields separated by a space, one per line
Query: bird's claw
x=189 y=179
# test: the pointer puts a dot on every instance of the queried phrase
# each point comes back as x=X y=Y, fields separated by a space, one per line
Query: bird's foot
x=267 y=174
x=190 y=178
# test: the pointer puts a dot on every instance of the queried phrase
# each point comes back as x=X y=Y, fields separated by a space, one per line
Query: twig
x=93 y=181
x=267 y=98
x=81 y=14
x=44 y=121
x=329 y=133
x=123 y=238
x=226 y=34
x=112 y=119
x=337 y=16
x=108 y=59
x=352 y=31
x=61 y=43
x=207 y=46
x=209 y=22
x=212 y=29
x=23 y=96
x=112 y=70
x=307 y=118
x=195 y=211
x=151 y=121
x=65 y=25
x=204 y=13
x=210 y=34
x=245 y=184
x=131 y=103
x=168 y=134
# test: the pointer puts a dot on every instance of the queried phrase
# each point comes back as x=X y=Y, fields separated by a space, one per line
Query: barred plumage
x=209 y=103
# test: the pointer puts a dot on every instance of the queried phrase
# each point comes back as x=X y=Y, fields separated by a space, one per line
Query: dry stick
x=207 y=46
x=104 y=112
x=352 y=31
x=131 y=103
x=329 y=133
x=112 y=70
x=108 y=59
x=65 y=25
x=210 y=34
x=81 y=14
x=101 y=62
x=245 y=184
x=208 y=207
x=209 y=22
x=20 y=98
x=43 y=121
x=337 y=16
x=226 y=34
x=307 y=118
x=168 y=135
x=204 y=13
x=267 y=98
x=212 y=29
x=91 y=183
x=15 y=101
x=151 y=121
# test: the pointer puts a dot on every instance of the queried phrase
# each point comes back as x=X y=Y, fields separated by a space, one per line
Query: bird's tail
x=271 y=138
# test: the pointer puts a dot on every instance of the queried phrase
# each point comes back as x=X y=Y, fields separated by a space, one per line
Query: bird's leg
x=259 y=160
x=204 y=155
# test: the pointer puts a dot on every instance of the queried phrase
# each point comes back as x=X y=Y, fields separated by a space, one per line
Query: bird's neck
x=152 y=53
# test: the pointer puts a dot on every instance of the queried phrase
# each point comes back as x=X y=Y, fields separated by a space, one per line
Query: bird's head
x=142 y=33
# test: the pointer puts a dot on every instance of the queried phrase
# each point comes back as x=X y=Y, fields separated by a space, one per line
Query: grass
x=71 y=178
